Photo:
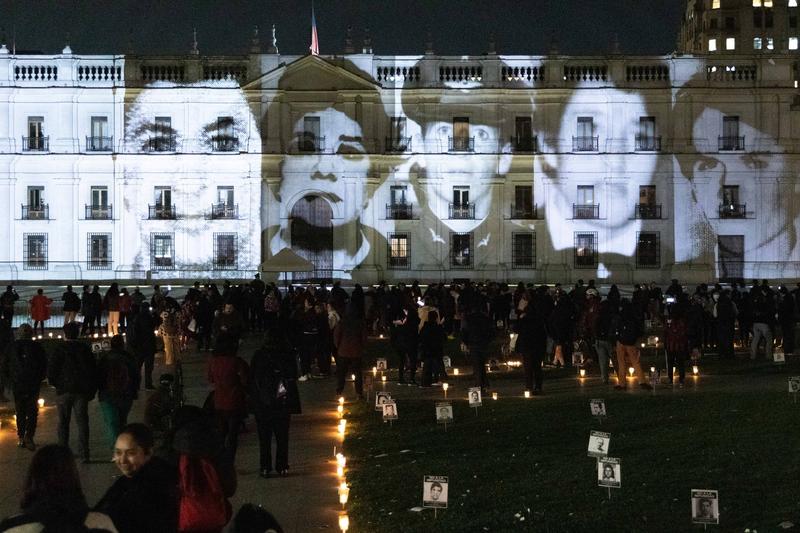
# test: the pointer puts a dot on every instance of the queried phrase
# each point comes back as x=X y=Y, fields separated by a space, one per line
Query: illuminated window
x=98 y=251
x=461 y=208
x=162 y=251
x=34 y=251
x=712 y=45
x=224 y=138
x=523 y=250
x=730 y=43
x=792 y=43
x=648 y=250
x=585 y=250
x=461 y=250
x=715 y=4
x=398 y=252
x=757 y=43
x=770 y=44
x=225 y=251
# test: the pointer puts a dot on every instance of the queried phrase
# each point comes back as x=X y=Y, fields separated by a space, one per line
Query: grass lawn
x=522 y=465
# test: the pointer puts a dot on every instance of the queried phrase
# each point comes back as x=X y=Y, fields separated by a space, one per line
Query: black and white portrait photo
x=598 y=407
x=598 y=443
x=434 y=492
x=609 y=472
x=380 y=364
x=444 y=412
x=705 y=506
x=390 y=410
x=380 y=399
x=474 y=397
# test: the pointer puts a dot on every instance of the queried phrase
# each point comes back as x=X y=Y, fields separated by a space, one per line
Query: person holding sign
x=532 y=345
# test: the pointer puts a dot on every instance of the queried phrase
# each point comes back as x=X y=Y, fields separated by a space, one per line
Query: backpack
x=203 y=505
x=118 y=379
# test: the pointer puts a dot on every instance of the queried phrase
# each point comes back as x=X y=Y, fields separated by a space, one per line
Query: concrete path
x=305 y=500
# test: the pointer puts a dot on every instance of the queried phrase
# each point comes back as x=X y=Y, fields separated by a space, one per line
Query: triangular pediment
x=314 y=73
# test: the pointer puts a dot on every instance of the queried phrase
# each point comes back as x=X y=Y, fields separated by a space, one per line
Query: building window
x=399 y=208
x=100 y=139
x=523 y=135
x=224 y=138
x=523 y=250
x=646 y=140
x=225 y=252
x=793 y=22
x=225 y=207
x=712 y=45
x=34 y=251
x=163 y=209
x=98 y=251
x=585 y=141
x=792 y=43
x=756 y=3
x=585 y=208
x=310 y=139
x=162 y=251
x=770 y=43
x=397 y=140
x=758 y=19
x=163 y=139
x=585 y=250
x=768 y=18
x=730 y=23
x=461 y=141
x=523 y=202
x=730 y=43
x=731 y=206
x=398 y=251
x=730 y=139
x=36 y=140
x=98 y=208
x=461 y=250
x=757 y=43
x=36 y=208
x=648 y=250
x=461 y=208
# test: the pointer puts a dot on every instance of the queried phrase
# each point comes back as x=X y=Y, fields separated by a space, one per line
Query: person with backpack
x=24 y=368
x=274 y=399
x=72 y=370
x=53 y=499
x=228 y=374
x=145 y=497
x=117 y=386
x=72 y=305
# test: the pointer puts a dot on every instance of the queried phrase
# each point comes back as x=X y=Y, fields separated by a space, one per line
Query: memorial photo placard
x=794 y=384
x=705 y=506
x=609 y=472
x=380 y=399
x=599 y=443
x=444 y=412
x=381 y=364
x=597 y=407
x=474 y=397
x=434 y=492
x=389 y=410
x=446 y=361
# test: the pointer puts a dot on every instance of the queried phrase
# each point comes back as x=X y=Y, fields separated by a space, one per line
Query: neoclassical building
x=542 y=168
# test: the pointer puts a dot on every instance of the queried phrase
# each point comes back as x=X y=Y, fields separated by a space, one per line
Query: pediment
x=314 y=73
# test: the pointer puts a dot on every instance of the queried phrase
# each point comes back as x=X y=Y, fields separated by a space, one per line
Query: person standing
x=605 y=328
x=40 y=310
x=72 y=370
x=168 y=330
x=477 y=333
x=309 y=340
x=350 y=337
x=24 y=368
x=86 y=311
x=228 y=374
x=117 y=387
x=72 y=304
x=142 y=340
x=7 y=301
x=431 y=340
x=409 y=343
x=786 y=319
x=677 y=343
x=630 y=329
x=532 y=345
x=275 y=398
x=763 y=320
x=725 y=314
x=111 y=304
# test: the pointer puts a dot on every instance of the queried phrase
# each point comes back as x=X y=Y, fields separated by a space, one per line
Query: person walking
x=605 y=328
x=477 y=332
x=228 y=374
x=309 y=344
x=117 y=387
x=24 y=368
x=628 y=356
x=350 y=337
x=431 y=340
x=72 y=370
x=274 y=398
x=53 y=499
x=72 y=305
x=40 y=310
x=532 y=345
x=111 y=304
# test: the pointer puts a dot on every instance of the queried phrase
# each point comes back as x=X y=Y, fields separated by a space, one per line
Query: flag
x=314 y=39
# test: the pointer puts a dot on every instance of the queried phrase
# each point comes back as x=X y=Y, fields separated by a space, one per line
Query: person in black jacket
x=73 y=372
x=409 y=341
x=786 y=312
x=431 y=340
x=72 y=304
x=142 y=340
x=477 y=332
x=630 y=329
x=532 y=345
x=763 y=320
x=275 y=398
x=725 y=314
x=117 y=386
x=145 y=497
x=24 y=369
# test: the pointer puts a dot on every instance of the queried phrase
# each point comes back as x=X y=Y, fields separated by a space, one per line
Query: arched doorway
x=312 y=236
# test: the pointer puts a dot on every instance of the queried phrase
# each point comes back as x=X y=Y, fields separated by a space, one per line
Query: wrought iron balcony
x=161 y=212
x=226 y=144
x=36 y=212
x=460 y=259
x=223 y=211
x=733 y=211
x=399 y=212
x=99 y=144
x=524 y=212
x=99 y=212
x=462 y=211
x=162 y=143
x=398 y=144
x=461 y=144
x=524 y=143
x=399 y=262
x=647 y=211
x=585 y=211
x=729 y=144
x=585 y=144
x=648 y=144
x=307 y=142
x=35 y=144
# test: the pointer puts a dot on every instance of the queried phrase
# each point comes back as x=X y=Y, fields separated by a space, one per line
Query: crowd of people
x=178 y=465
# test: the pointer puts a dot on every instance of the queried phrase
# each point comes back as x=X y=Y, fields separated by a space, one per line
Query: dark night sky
x=397 y=26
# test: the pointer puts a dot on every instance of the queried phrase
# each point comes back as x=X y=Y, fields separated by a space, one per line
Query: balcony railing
x=36 y=212
x=647 y=211
x=165 y=143
x=99 y=144
x=461 y=144
x=310 y=143
x=225 y=145
x=585 y=144
x=222 y=211
x=398 y=144
x=35 y=144
x=462 y=211
x=524 y=212
x=524 y=143
x=648 y=144
x=585 y=211
x=728 y=144
x=99 y=212
x=161 y=212
x=399 y=212
x=399 y=262
x=733 y=211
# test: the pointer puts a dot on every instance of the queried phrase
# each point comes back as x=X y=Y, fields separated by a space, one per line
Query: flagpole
x=314 y=48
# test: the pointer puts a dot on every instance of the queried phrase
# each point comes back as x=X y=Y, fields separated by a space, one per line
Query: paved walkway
x=305 y=500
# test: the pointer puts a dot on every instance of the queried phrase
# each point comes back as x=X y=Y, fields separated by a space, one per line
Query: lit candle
x=59 y=337
x=383 y=379
x=630 y=371
x=155 y=332
x=656 y=339
x=374 y=371
x=340 y=472
x=695 y=370
x=342 y=425
x=50 y=334
x=41 y=402
x=445 y=386
x=343 y=494
x=494 y=396
x=344 y=522
x=642 y=345
x=380 y=336
x=104 y=335
x=341 y=460
x=341 y=400
x=340 y=409
x=583 y=372
x=455 y=371
x=652 y=370
x=39 y=337
x=527 y=394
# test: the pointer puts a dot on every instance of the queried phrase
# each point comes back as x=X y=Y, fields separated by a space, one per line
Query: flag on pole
x=314 y=39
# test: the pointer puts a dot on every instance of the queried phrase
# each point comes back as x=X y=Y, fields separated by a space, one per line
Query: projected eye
x=482 y=134
x=443 y=131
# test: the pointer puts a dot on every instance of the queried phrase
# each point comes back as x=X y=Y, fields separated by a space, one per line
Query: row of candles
x=341 y=463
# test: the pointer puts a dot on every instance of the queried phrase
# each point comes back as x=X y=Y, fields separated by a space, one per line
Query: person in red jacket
x=40 y=310
x=228 y=373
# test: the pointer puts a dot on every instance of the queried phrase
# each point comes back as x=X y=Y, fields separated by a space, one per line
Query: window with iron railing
x=99 y=144
x=224 y=211
x=307 y=142
x=398 y=251
x=733 y=211
x=36 y=212
x=99 y=212
x=465 y=211
x=523 y=250
x=162 y=251
x=461 y=250
x=35 y=144
x=461 y=144
x=399 y=212
x=398 y=144
x=98 y=251
x=647 y=211
x=585 y=250
x=34 y=251
x=225 y=251
x=585 y=211
x=161 y=212
x=648 y=250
